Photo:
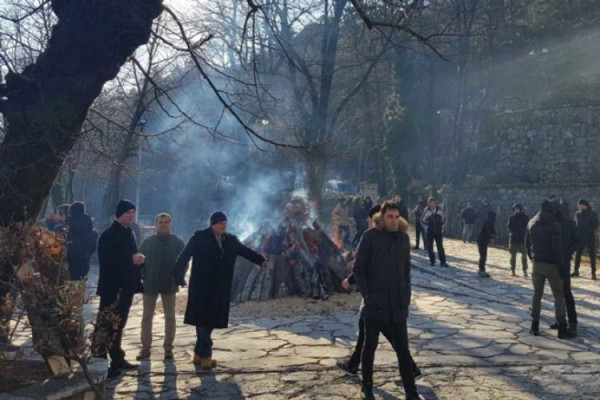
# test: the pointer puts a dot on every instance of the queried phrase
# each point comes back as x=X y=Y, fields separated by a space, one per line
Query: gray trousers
x=514 y=249
x=541 y=272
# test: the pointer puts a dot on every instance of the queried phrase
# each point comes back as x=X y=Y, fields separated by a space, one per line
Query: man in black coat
x=81 y=241
x=419 y=230
x=517 y=226
x=469 y=217
x=433 y=222
x=382 y=271
x=587 y=223
x=488 y=232
x=119 y=280
x=214 y=252
x=543 y=242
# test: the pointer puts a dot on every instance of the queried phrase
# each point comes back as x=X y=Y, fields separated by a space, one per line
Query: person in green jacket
x=161 y=251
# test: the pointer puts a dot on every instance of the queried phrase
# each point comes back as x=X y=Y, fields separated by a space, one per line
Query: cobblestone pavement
x=468 y=334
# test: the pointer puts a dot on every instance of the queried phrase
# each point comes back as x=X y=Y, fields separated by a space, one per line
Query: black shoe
x=416 y=248
x=594 y=276
x=445 y=265
x=113 y=373
x=345 y=365
x=554 y=326
x=535 y=328
x=367 y=391
x=564 y=332
x=415 y=396
x=124 y=364
x=575 y=274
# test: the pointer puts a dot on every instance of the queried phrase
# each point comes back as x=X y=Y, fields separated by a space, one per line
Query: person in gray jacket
x=161 y=251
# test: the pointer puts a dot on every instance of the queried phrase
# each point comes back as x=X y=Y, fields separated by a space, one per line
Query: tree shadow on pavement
x=211 y=388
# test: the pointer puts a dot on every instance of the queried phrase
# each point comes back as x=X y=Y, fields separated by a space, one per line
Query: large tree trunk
x=315 y=177
x=44 y=106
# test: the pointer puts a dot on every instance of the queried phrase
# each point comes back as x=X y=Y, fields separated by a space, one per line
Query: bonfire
x=303 y=260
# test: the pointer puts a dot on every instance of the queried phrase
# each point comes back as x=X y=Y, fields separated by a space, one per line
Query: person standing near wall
x=419 y=230
x=468 y=216
x=517 y=226
x=586 y=220
x=488 y=232
x=433 y=222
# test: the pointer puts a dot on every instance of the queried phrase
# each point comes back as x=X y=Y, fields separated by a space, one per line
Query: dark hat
x=77 y=208
x=123 y=206
x=217 y=217
x=518 y=205
x=547 y=206
x=584 y=203
x=374 y=210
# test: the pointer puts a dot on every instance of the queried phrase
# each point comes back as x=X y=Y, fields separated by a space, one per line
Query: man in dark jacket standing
x=488 y=232
x=401 y=206
x=587 y=223
x=433 y=223
x=517 y=226
x=419 y=230
x=119 y=280
x=214 y=252
x=543 y=241
x=469 y=217
x=570 y=243
x=382 y=271
x=81 y=241
x=158 y=274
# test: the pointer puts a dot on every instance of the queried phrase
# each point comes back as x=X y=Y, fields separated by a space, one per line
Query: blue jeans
x=204 y=343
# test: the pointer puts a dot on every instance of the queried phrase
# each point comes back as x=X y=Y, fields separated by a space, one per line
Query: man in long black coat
x=382 y=271
x=214 y=252
x=119 y=280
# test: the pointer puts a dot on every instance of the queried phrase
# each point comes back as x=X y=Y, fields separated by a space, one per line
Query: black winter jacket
x=517 y=227
x=469 y=216
x=209 y=291
x=543 y=239
x=587 y=223
x=488 y=231
x=382 y=272
x=116 y=248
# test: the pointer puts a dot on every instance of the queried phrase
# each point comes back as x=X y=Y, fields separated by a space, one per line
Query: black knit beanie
x=123 y=206
x=217 y=217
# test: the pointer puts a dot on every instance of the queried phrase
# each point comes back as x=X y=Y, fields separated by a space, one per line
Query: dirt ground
x=286 y=306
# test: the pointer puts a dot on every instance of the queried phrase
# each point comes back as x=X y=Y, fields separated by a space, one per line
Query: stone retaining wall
x=502 y=197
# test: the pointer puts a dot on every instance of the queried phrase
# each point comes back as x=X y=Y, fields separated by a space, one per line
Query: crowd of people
x=381 y=270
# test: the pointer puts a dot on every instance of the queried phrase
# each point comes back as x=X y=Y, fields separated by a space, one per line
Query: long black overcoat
x=209 y=291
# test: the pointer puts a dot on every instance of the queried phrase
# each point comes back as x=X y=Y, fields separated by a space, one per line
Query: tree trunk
x=315 y=177
x=44 y=106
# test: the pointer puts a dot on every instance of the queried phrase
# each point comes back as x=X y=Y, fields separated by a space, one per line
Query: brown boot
x=207 y=363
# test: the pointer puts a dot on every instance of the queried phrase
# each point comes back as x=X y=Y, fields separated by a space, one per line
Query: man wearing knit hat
x=214 y=252
x=119 y=280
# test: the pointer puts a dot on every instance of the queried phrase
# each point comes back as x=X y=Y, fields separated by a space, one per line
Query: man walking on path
x=517 y=226
x=158 y=274
x=119 y=280
x=433 y=222
x=214 y=252
x=469 y=217
x=382 y=271
x=587 y=223
x=544 y=246
x=419 y=230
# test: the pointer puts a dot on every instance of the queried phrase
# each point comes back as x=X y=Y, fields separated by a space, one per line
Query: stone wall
x=553 y=145
x=502 y=197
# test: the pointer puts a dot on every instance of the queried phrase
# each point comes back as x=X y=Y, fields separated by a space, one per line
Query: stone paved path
x=468 y=334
